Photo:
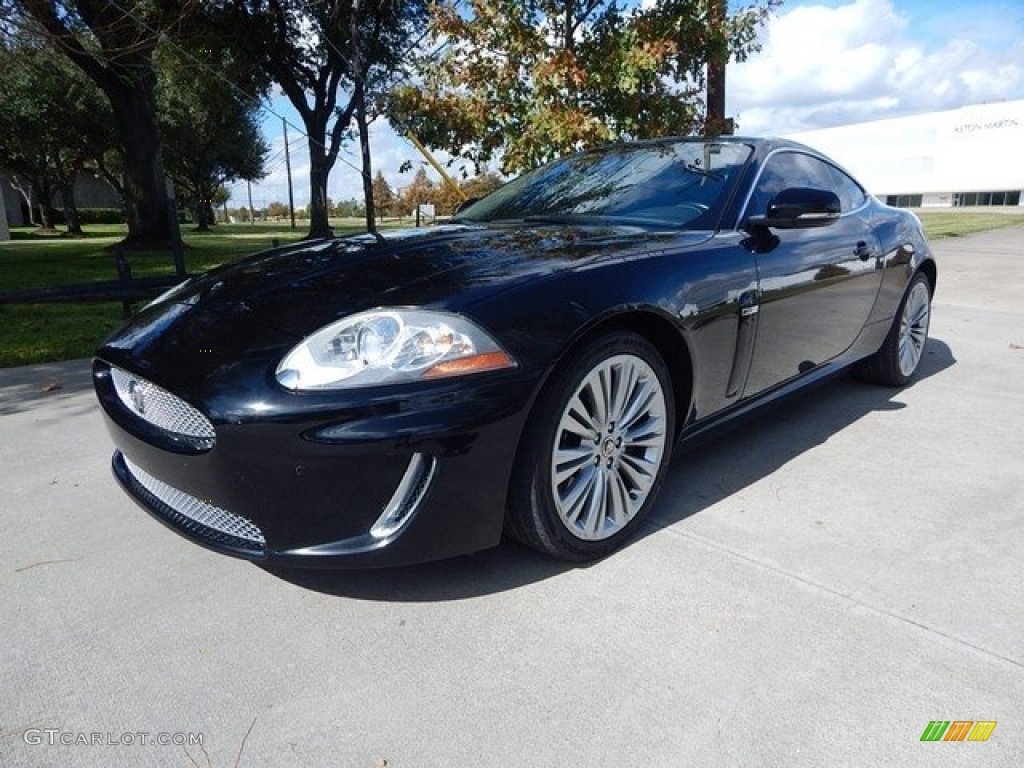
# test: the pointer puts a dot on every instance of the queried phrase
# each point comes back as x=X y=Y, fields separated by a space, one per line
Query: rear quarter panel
x=905 y=249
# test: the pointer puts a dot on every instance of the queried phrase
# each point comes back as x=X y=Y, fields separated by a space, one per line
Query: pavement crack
x=45 y=562
x=846 y=596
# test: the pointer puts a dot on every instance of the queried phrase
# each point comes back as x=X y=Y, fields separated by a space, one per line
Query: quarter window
x=797 y=169
x=851 y=195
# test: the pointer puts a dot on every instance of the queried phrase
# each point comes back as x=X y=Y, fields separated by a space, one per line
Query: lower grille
x=195 y=516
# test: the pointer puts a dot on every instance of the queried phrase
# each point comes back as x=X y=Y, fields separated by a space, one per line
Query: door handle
x=862 y=250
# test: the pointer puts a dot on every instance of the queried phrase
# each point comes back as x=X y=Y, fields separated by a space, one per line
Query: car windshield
x=679 y=184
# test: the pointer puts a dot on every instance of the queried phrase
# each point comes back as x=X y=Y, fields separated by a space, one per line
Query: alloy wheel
x=609 y=446
x=914 y=328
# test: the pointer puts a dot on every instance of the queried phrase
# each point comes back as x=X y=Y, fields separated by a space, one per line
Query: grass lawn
x=957 y=223
x=37 y=333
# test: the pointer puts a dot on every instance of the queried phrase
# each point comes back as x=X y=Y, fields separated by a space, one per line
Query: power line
x=263 y=106
x=226 y=81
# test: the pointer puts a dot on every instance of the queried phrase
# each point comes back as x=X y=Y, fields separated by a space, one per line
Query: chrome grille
x=196 y=510
x=407 y=497
x=162 y=409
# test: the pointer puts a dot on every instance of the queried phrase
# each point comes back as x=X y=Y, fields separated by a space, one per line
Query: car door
x=816 y=286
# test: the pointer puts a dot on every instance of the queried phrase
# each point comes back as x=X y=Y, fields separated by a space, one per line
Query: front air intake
x=193 y=516
x=163 y=410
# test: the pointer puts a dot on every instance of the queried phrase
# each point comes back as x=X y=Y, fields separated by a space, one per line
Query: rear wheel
x=594 y=454
x=896 y=362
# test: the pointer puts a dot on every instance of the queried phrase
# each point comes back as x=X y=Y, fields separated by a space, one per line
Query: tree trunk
x=46 y=216
x=25 y=190
x=118 y=58
x=146 y=203
x=319 y=226
x=43 y=192
x=364 y=148
x=67 y=194
x=111 y=178
x=202 y=217
x=204 y=194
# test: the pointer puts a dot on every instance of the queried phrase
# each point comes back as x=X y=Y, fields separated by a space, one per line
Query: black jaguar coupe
x=527 y=367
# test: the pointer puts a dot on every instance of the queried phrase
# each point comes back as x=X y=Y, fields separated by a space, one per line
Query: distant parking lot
x=813 y=589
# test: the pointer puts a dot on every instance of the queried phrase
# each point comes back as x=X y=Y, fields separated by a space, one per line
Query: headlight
x=387 y=346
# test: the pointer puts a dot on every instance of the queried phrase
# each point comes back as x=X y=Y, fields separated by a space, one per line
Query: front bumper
x=421 y=475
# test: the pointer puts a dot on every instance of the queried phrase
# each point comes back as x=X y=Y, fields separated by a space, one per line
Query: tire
x=899 y=357
x=594 y=453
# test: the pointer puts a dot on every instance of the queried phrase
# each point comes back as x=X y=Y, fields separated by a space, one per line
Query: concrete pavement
x=812 y=590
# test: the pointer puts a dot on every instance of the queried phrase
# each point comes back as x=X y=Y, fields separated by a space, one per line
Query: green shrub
x=101 y=216
x=91 y=216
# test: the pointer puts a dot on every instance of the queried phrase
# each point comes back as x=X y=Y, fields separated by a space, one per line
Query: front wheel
x=896 y=362
x=593 y=456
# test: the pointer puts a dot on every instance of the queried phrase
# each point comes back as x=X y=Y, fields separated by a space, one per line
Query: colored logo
x=958 y=730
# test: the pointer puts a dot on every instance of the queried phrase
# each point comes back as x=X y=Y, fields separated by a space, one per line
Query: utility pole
x=288 y=166
x=446 y=179
x=252 y=213
x=716 y=123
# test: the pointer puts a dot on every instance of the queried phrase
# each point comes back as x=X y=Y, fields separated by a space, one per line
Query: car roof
x=762 y=145
x=762 y=142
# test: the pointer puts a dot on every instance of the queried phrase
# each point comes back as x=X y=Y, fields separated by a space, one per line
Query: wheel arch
x=523 y=519
x=666 y=339
x=930 y=270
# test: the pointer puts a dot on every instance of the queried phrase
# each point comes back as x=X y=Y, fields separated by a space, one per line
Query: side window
x=773 y=179
x=795 y=169
x=851 y=195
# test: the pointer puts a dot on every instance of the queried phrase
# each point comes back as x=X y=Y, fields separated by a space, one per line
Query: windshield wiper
x=703 y=172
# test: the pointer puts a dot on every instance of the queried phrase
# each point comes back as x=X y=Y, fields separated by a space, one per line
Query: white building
x=968 y=156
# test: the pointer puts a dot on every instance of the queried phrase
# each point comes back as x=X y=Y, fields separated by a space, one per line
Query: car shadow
x=508 y=566
x=702 y=473
x=709 y=469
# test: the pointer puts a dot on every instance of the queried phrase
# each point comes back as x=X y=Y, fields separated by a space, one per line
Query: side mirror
x=799 y=208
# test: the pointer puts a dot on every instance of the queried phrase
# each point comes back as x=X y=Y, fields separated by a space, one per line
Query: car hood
x=203 y=335
x=300 y=288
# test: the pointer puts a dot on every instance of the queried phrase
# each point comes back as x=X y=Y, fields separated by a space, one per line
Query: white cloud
x=823 y=66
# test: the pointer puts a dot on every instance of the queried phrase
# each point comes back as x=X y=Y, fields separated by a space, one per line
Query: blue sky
x=834 y=63
x=823 y=63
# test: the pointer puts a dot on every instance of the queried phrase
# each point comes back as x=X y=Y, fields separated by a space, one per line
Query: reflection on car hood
x=300 y=288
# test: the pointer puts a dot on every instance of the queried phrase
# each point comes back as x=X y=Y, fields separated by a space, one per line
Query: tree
x=383 y=195
x=22 y=155
x=350 y=209
x=482 y=185
x=421 y=191
x=331 y=58
x=529 y=81
x=210 y=129
x=448 y=201
x=113 y=45
x=277 y=211
x=44 y=154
